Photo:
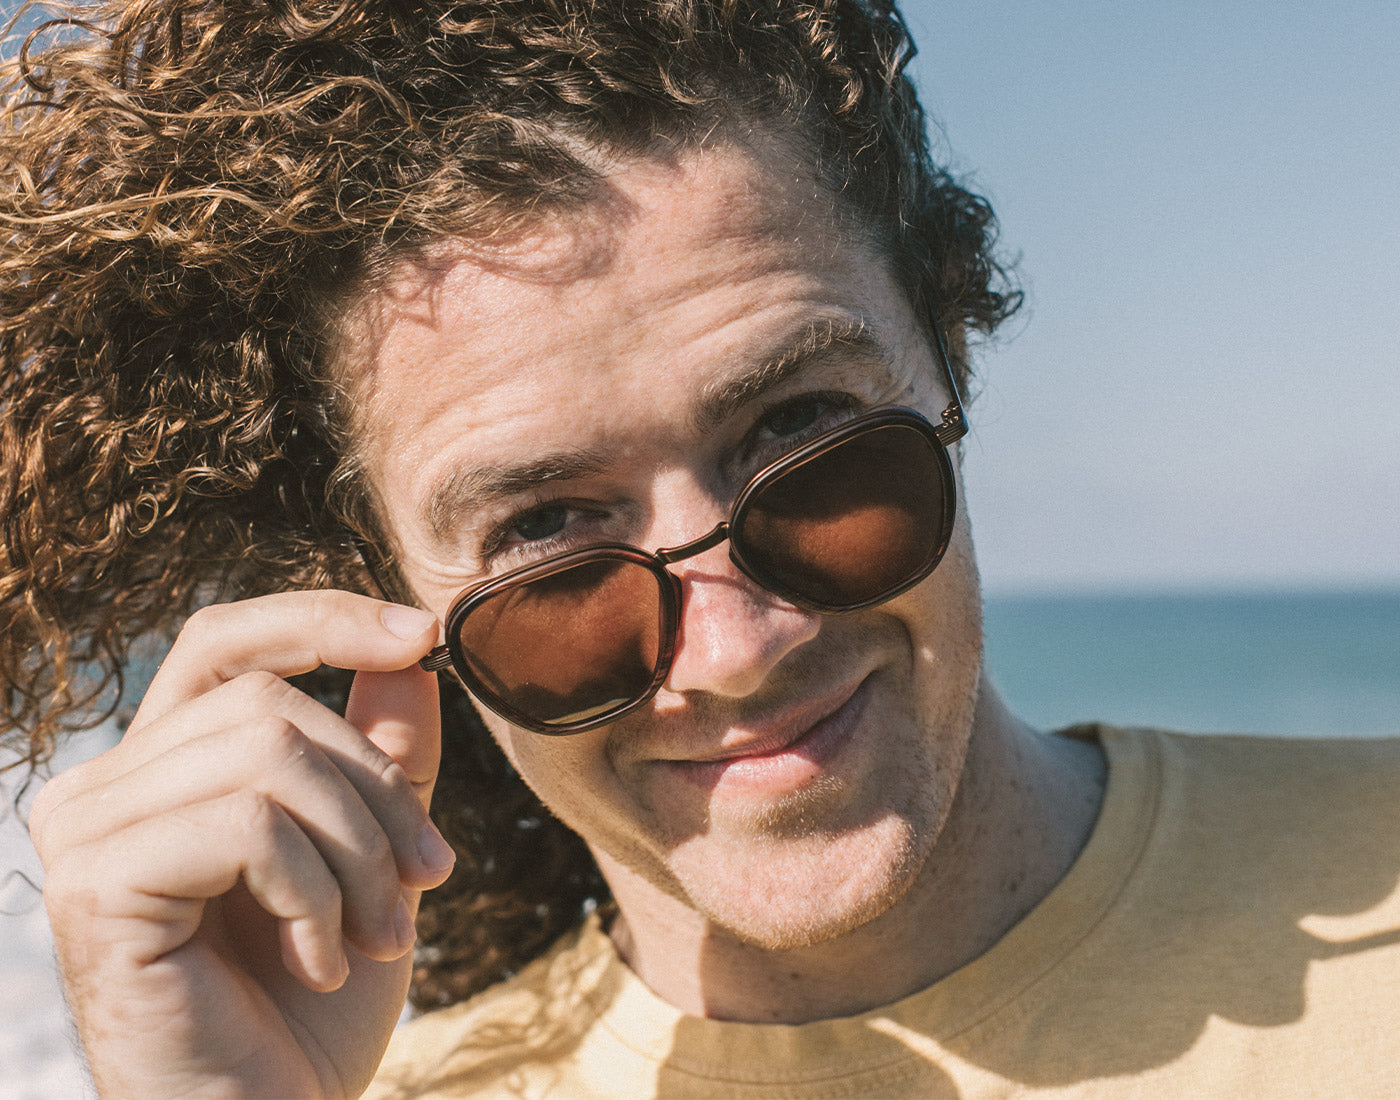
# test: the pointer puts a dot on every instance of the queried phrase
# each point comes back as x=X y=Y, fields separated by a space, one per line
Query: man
x=621 y=344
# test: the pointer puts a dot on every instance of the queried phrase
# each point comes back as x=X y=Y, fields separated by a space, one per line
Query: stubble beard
x=792 y=879
x=851 y=871
x=813 y=867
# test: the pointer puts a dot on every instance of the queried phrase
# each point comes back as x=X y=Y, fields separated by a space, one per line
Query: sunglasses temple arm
x=439 y=658
x=373 y=563
x=954 y=425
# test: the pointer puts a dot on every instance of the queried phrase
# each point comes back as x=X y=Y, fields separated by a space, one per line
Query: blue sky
x=1205 y=199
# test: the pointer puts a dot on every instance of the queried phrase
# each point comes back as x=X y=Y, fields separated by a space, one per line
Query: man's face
x=618 y=376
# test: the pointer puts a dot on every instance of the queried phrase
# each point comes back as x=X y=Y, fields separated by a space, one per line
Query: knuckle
x=390 y=774
x=215 y=629
x=46 y=811
x=204 y=636
x=50 y=795
x=260 y=815
x=259 y=690
x=205 y=623
x=277 y=738
x=321 y=613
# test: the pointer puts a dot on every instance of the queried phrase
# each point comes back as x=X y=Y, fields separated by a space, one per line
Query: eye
x=793 y=417
x=549 y=527
x=539 y=523
x=804 y=415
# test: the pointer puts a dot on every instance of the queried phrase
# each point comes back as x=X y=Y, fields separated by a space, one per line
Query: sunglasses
x=846 y=521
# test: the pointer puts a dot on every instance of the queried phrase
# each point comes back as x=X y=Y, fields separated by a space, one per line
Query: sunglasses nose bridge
x=695 y=547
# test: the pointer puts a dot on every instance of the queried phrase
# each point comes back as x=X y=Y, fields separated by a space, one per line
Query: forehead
x=622 y=317
x=653 y=233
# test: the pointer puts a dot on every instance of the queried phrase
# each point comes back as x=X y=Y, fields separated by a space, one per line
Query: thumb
x=398 y=711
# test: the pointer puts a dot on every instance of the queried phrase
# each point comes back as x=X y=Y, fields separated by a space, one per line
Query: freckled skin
x=609 y=342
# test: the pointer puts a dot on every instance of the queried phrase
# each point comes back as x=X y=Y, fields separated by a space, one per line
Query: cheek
x=504 y=734
x=945 y=622
x=568 y=774
x=575 y=778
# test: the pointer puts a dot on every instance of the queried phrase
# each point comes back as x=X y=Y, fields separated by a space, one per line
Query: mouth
x=785 y=753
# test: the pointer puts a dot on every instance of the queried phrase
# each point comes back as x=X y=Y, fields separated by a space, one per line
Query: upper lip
x=774 y=732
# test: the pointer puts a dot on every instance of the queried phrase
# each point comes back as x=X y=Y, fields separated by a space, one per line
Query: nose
x=732 y=632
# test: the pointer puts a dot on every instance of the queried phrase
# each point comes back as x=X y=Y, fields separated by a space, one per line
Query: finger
x=379 y=781
x=286 y=634
x=272 y=758
x=398 y=711
x=144 y=888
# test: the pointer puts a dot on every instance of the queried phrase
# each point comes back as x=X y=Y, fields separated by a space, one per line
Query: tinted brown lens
x=570 y=645
x=856 y=523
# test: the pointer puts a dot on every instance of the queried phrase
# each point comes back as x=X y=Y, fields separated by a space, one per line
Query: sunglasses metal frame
x=449 y=656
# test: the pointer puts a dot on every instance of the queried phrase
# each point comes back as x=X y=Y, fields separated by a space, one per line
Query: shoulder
x=1258 y=812
x=1338 y=777
x=1225 y=757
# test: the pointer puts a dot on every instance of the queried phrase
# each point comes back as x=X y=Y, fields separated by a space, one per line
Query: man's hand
x=232 y=887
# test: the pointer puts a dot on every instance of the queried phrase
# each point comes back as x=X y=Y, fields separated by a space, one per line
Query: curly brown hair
x=191 y=193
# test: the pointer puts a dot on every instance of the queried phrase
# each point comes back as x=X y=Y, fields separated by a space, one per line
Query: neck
x=1024 y=808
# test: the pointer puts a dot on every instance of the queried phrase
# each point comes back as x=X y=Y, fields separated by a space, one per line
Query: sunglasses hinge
x=694 y=547
x=953 y=425
x=439 y=659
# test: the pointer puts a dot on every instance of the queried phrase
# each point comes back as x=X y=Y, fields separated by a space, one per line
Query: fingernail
x=436 y=854
x=406 y=622
x=403 y=925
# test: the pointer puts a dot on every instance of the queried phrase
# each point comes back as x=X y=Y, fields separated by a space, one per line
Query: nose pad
x=732 y=632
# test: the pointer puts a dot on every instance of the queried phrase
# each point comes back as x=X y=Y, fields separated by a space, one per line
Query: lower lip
x=790 y=767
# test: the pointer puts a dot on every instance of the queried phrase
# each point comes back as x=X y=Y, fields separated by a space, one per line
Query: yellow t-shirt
x=1232 y=929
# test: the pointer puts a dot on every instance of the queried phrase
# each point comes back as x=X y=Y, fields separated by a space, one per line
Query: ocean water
x=1307 y=663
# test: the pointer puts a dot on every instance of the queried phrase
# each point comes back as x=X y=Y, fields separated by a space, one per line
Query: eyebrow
x=465 y=491
x=468 y=490
x=812 y=344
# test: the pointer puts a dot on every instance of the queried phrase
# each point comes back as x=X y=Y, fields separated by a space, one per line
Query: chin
x=791 y=894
